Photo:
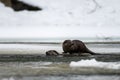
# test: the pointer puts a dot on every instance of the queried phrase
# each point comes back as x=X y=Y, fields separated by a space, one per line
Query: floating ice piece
x=94 y=63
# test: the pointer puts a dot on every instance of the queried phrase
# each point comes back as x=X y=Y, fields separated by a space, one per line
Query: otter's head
x=67 y=45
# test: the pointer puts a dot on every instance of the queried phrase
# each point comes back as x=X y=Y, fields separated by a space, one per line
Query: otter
x=52 y=53
x=76 y=46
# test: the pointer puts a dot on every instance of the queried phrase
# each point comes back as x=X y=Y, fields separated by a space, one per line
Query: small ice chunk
x=94 y=63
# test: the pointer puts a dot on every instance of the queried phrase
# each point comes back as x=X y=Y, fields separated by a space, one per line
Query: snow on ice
x=62 y=18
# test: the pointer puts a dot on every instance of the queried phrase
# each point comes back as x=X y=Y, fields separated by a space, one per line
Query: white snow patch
x=94 y=63
x=62 y=18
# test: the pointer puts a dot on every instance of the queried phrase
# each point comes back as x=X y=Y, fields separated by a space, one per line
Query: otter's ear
x=67 y=41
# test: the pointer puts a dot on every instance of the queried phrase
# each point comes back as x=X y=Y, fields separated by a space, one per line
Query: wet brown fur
x=52 y=53
x=75 y=46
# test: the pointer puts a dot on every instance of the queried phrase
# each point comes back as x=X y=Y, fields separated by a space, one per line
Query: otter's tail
x=91 y=52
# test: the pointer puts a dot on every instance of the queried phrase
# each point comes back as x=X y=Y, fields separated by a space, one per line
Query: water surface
x=59 y=67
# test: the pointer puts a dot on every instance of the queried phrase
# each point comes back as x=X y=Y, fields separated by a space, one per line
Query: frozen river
x=98 y=67
x=41 y=48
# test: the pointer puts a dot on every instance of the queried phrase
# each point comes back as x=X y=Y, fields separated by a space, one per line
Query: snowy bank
x=97 y=64
x=62 y=18
x=27 y=48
